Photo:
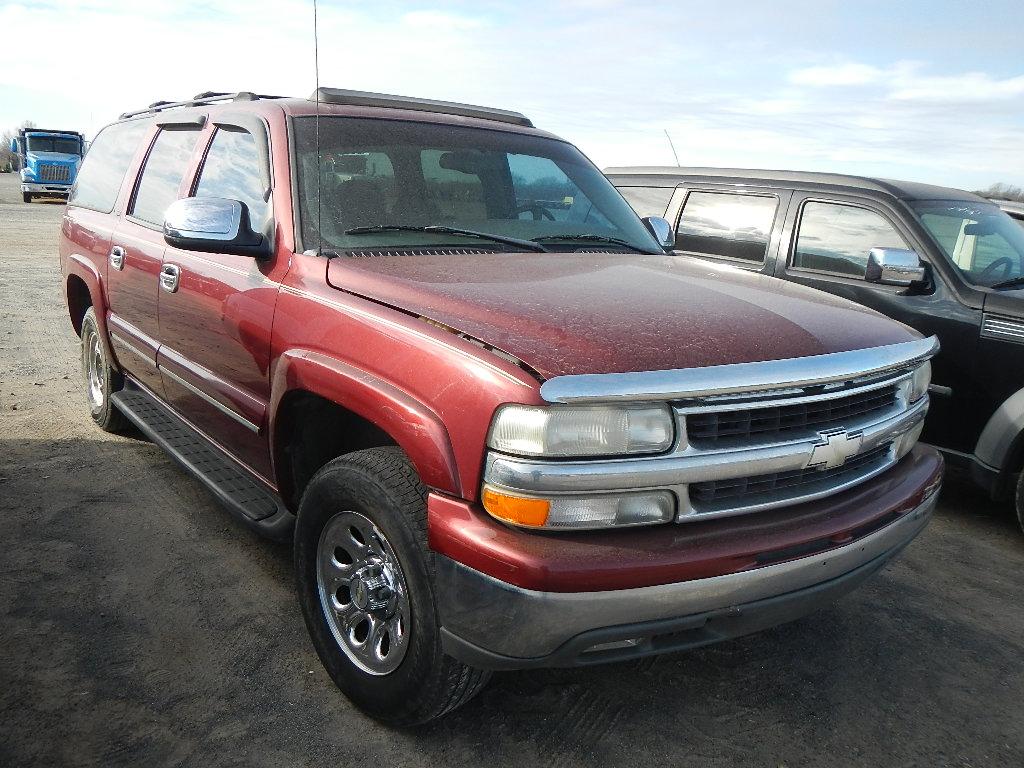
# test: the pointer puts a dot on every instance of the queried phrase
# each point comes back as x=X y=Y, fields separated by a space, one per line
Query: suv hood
x=609 y=313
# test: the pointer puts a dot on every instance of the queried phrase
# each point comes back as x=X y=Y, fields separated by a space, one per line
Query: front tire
x=26 y=196
x=101 y=379
x=365 y=581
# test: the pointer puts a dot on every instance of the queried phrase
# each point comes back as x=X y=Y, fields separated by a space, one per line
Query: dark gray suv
x=941 y=260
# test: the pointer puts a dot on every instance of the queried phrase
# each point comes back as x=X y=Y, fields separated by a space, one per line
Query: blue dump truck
x=49 y=161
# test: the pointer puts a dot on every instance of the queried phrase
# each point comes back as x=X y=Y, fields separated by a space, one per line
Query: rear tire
x=26 y=196
x=101 y=380
x=365 y=513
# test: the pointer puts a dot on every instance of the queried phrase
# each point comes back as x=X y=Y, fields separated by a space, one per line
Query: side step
x=252 y=503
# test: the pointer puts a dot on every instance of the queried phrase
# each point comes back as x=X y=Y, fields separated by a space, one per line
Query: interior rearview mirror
x=212 y=224
x=661 y=230
x=894 y=266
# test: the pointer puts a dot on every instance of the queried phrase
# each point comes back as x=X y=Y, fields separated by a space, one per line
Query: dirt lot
x=142 y=626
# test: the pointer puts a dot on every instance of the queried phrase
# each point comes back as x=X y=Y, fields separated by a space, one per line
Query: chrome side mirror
x=894 y=266
x=661 y=230
x=212 y=224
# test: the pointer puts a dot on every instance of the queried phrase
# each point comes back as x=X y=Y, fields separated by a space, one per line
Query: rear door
x=828 y=239
x=137 y=249
x=215 y=326
x=740 y=227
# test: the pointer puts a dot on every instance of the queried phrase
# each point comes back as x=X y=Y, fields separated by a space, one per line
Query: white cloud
x=441 y=19
x=838 y=75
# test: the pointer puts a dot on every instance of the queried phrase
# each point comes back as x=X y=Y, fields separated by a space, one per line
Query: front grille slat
x=765 y=423
x=53 y=172
x=746 y=491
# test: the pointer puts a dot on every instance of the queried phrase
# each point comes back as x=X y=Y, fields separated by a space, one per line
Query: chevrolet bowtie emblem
x=836 y=446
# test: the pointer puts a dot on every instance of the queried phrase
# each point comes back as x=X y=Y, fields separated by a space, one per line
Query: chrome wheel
x=363 y=593
x=94 y=365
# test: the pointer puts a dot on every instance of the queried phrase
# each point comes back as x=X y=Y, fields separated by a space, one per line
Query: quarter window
x=103 y=170
x=727 y=225
x=837 y=238
x=232 y=170
x=162 y=174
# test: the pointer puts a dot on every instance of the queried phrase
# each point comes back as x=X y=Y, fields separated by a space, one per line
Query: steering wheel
x=539 y=211
x=1004 y=262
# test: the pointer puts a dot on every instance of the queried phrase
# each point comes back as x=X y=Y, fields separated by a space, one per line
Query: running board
x=248 y=500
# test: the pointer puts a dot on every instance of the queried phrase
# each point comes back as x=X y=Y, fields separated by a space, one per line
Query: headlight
x=581 y=430
x=919 y=382
x=581 y=512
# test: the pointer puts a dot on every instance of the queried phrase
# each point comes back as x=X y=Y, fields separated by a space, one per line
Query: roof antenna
x=673 y=146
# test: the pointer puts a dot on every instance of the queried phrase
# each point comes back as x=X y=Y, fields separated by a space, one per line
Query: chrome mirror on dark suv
x=212 y=224
x=894 y=266
x=661 y=230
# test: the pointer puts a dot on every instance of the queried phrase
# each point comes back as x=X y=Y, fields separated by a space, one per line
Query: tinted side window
x=103 y=170
x=728 y=225
x=161 y=176
x=648 y=201
x=837 y=238
x=232 y=170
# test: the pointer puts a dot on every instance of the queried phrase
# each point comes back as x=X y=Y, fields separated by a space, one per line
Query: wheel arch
x=351 y=409
x=1001 y=444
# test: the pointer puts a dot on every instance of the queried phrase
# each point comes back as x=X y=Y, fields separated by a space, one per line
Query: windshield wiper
x=1013 y=282
x=597 y=239
x=438 y=229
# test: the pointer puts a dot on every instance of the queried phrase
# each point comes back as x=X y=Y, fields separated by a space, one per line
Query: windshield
x=390 y=173
x=53 y=144
x=985 y=244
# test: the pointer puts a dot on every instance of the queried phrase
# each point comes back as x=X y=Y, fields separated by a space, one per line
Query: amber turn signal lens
x=516 y=509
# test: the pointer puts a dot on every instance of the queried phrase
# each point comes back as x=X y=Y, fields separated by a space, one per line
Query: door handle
x=117 y=257
x=169 y=274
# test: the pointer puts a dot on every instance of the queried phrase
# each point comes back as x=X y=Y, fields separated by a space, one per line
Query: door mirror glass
x=894 y=266
x=661 y=230
x=212 y=224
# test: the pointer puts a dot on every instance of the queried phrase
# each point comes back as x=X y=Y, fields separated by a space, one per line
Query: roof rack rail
x=368 y=99
x=206 y=97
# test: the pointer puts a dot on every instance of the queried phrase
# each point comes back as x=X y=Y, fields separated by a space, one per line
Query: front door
x=828 y=249
x=215 y=327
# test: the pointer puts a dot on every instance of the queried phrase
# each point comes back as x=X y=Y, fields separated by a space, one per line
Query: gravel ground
x=142 y=626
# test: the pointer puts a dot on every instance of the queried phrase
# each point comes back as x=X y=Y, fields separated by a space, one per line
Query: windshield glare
x=390 y=172
x=985 y=244
x=51 y=144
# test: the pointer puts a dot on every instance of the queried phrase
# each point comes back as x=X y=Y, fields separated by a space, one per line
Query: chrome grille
x=52 y=172
x=763 y=423
x=716 y=495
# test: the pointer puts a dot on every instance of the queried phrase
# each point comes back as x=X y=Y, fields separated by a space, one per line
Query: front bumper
x=495 y=625
x=36 y=188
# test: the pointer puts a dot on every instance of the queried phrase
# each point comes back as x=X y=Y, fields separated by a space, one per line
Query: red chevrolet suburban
x=434 y=347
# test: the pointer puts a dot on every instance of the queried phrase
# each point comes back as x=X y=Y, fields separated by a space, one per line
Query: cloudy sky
x=929 y=90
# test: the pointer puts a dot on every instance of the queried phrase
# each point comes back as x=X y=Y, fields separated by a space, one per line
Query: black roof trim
x=368 y=99
x=903 y=190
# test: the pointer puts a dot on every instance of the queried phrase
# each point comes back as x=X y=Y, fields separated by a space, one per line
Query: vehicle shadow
x=171 y=630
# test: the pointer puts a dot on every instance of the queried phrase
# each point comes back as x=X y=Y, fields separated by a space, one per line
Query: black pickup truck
x=941 y=260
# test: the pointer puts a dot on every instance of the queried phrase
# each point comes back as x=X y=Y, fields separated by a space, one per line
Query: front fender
x=415 y=427
x=1000 y=439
